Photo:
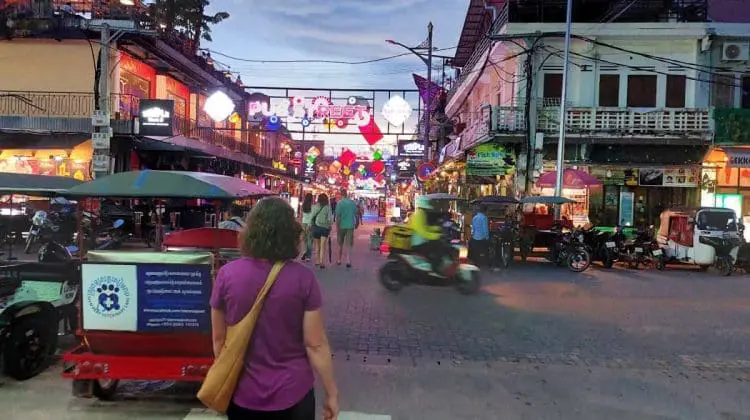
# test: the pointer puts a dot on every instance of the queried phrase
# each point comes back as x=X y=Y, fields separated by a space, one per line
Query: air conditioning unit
x=735 y=51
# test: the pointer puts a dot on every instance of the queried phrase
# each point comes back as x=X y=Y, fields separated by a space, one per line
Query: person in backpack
x=322 y=218
x=235 y=222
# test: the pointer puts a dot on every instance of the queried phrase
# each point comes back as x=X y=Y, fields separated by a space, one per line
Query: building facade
x=49 y=90
x=651 y=87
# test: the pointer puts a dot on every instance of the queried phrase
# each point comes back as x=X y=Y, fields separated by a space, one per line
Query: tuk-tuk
x=704 y=237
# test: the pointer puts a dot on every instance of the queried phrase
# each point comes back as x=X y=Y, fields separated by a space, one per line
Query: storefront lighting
x=127 y=2
x=219 y=106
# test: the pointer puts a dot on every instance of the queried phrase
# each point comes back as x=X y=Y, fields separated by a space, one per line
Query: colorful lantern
x=377 y=155
x=347 y=157
x=377 y=167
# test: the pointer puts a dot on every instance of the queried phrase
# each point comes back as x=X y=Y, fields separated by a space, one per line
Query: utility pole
x=428 y=102
x=563 y=108
x=101 y=120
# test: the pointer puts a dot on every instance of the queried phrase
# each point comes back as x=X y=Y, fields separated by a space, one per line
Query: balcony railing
x=553 y=11
x=669 y=121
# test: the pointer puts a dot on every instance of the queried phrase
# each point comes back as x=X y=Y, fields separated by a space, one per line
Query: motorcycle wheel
x=471 y=286
x=724 y=265
x=609 y=261
x=29 y=243
x=389 y=276
x=579 y=260
x=507 y=255
x=660 y=263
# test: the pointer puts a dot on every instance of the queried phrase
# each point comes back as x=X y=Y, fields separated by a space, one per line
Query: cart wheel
x=29 y=346
x=105 y=389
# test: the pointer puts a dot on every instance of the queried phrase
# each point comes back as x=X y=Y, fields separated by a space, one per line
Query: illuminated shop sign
x=410 y=148
x=305 y=111
x=155 y=117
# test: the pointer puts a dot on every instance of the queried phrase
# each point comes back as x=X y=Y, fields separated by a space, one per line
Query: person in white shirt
x=235 y=222
x=307 y=215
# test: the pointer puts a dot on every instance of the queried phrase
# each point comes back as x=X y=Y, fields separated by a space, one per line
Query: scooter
x=570 y=250
x=724 y=261
x=409 y=268
x=56 y=252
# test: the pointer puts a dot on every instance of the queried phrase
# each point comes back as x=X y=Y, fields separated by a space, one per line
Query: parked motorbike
x=600 y=246
x=570 y=250
x=724 y=262
x=502 y=244
x=54 y=251
x=47 y=226
x=643 y=250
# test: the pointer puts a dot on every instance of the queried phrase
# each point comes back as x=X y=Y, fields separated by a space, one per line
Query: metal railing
x=665 y=121
x=554 y=11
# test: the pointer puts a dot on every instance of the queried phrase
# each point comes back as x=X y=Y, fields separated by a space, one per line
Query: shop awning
x=734 y=156
x=182 y=142
x=37 y=185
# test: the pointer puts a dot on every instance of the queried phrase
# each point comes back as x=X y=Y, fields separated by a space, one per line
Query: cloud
x=326 y=7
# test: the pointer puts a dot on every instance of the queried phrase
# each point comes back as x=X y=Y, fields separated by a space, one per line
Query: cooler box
x=398 y=237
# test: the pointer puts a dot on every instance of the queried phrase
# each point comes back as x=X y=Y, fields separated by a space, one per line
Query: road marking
x=205 y=414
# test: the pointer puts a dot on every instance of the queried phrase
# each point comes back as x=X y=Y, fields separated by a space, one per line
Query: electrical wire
x=648 y=70
x=374 y=60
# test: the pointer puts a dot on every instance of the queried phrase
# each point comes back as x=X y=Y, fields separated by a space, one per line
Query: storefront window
x=180 y=110
x=132 y=88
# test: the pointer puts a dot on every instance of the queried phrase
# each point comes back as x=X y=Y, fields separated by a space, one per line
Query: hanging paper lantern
x=347 y=171
x=332 y=169
x=379 y=179
x=347 y=157
x=378 y=167
x=377 y=155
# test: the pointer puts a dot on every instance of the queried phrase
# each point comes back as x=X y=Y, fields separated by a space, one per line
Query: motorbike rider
x=425 y=224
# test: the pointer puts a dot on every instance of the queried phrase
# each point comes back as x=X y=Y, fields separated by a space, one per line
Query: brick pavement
x=535 y=312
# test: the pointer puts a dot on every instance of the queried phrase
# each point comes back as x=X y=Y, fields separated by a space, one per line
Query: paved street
x=538 y=342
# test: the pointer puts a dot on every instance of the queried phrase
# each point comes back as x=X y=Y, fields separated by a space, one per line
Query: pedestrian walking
x=321 y=228
x=288 y=342
x=346 y=221
x=479 y=244
x=307 y=204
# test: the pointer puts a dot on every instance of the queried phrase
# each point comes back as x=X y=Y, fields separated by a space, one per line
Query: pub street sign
x=410 y=148
x=155 y=117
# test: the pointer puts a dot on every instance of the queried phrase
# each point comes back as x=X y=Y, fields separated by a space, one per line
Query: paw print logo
x=109 y=300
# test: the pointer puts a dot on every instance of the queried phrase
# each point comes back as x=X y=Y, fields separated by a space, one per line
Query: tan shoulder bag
x=218 y=388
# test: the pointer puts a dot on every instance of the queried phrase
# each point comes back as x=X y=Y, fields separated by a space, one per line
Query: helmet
x=423 y=203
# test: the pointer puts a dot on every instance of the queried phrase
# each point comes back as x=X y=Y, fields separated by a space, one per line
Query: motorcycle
x=570 y=250
x=600 y=246
x=54 y=251
x=44 y=226
x=724 y=262
x=502 y=244
x=403 y=268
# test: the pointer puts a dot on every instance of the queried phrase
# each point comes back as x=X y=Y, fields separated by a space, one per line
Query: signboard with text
x=155 y=117
x=410 y=148
x=146 y=297
x=406 y=168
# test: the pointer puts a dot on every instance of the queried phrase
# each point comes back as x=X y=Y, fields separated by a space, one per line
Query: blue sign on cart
x=174 y=297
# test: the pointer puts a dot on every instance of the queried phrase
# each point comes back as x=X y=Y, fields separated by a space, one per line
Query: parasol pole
x=563 y=108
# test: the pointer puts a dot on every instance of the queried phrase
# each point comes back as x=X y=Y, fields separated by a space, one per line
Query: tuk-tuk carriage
x=145 y=315
x=704 y=237
x=35 y=298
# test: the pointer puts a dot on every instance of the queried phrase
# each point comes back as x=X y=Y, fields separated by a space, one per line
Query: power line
x=374 y=60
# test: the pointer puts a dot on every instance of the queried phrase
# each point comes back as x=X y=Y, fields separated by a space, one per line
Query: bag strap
x=252 y=316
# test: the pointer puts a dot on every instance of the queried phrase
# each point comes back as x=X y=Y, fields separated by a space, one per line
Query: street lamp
x=428 y=101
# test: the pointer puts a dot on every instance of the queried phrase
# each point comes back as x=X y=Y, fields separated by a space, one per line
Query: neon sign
x=308 y=110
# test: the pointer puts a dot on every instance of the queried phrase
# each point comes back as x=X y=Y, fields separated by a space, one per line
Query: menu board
x=668 y=177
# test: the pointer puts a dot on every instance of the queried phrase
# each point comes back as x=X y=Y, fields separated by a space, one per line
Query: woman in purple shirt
x=289 y=340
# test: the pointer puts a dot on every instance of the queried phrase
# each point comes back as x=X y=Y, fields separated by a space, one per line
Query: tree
x=186 y=15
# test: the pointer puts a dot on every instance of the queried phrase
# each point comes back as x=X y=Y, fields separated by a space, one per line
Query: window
x=676 y=91
x=723 y=90
x=745 y=92
x=609 y=90
x=552 y=87
x=642 y=91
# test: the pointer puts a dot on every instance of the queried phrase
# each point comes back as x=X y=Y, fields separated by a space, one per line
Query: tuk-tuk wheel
x=29 y=346
x=105 y=389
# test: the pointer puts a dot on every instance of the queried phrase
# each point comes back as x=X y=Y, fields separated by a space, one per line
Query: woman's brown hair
x=271 y=231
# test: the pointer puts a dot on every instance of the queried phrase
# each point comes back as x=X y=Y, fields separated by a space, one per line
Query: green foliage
x=186 y=15
x=732 y=126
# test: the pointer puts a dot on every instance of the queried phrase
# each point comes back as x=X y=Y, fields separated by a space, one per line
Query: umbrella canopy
x=495 y=199
x=572 y=178
x=548 y=199
x=168 y=184
x=35 y=185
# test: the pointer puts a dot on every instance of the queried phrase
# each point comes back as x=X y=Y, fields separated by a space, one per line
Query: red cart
x=167 y=293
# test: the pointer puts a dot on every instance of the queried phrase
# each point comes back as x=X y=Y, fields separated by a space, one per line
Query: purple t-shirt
x=277 y=374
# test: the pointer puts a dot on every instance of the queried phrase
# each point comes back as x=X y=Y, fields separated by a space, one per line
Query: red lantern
x=378 y=167
x=379 y=179
x=347 y=157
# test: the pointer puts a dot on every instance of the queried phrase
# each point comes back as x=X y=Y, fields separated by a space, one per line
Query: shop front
x=725 y=180
x=489 y=171
x=137 y=81
x=74 y=162
x=636 y=196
